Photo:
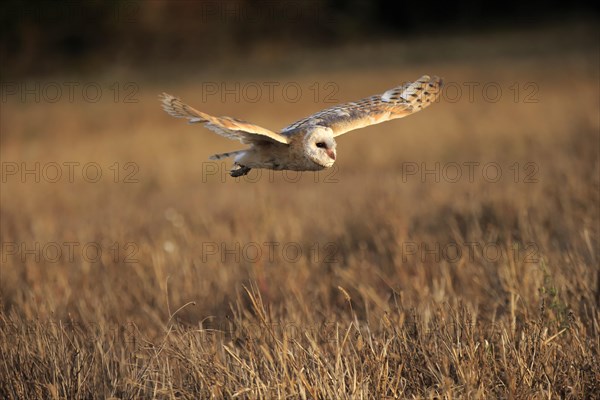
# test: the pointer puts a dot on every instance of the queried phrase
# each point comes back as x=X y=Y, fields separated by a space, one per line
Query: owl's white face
x=319 y=146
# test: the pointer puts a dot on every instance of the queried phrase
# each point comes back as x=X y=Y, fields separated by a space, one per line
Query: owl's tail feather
x=225 y=155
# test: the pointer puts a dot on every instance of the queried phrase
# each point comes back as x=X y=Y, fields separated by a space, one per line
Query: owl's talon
x=240 y=171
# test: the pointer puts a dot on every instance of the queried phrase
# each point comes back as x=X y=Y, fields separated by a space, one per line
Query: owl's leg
x=241 y=170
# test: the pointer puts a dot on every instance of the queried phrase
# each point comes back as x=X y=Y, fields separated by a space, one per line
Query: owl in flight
x=308 y=144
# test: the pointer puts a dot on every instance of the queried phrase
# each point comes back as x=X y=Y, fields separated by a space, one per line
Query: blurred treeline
x=48 y=37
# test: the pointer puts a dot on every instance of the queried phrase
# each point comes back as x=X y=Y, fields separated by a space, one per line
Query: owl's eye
x=321 y=145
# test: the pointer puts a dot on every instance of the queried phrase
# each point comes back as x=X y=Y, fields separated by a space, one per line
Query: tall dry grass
x=179 y=302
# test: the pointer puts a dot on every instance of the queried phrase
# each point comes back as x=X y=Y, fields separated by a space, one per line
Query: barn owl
x=308 y=144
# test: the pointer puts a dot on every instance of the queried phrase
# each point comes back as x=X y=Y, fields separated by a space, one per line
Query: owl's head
x=319 y=146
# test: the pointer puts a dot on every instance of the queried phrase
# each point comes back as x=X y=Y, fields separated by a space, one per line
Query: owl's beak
x=331 y=154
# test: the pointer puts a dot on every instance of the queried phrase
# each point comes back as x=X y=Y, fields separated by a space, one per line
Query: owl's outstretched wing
x=394 y=103
x=229 y=127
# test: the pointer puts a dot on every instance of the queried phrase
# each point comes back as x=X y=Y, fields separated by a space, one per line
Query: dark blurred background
x=46 y=37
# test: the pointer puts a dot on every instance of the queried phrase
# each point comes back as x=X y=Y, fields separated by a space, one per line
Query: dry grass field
x=452 y=254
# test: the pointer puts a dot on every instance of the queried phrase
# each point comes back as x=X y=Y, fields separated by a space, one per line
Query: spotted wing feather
x=394 y=103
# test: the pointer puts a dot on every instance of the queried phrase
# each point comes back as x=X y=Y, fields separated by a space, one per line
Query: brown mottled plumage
x=309 y=144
